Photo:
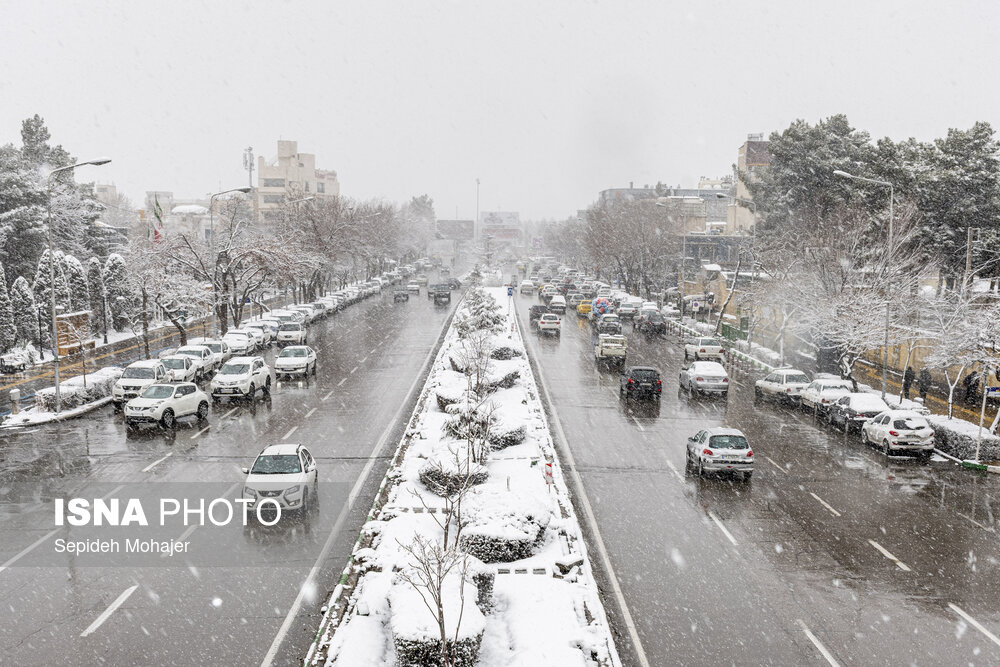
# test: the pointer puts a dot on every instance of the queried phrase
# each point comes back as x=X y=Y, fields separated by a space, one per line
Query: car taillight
x=788 y=391
x=822 y=400
x=631 y=381
x=659 y=382
x=932 y=434
x=750 y=454
x=725 y=380
x=699 y=379
x=707 y=452
x=894 y=433
x=702 y=350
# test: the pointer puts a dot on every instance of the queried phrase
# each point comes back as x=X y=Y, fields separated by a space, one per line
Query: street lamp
x=215 y=260
x=52 y=265
x=885 y=346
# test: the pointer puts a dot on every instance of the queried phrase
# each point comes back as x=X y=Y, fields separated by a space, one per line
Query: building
x=753 y=157
x=708 y=190
x=291 y=175
x=456 y=230
x=501 y=228
x=688 y=212
x=106 y=194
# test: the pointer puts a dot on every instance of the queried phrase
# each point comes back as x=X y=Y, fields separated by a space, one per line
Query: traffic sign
x=993 y=392
x=510 y=291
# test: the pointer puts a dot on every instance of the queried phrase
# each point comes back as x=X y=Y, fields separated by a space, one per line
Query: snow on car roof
x=284 y=448
x=144 y=363
x=705 y=366
x=866 y=401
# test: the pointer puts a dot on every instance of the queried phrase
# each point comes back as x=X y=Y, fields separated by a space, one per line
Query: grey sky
x=547 y=103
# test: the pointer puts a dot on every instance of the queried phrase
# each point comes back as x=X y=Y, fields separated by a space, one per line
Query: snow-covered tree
x=76 y=278
x=95 y=292
x=8 y=329
x=22 y=214
x=120 y=296
x=26 y=318
x=42 y=287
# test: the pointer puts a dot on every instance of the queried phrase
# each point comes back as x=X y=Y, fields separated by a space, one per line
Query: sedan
x=705 y=377
x=855 y=409
x=240 y=343
x=295 y=360
x=899 y=431
x=720 y=450
x=784 y=384
x=819 y=395
x=703 y=348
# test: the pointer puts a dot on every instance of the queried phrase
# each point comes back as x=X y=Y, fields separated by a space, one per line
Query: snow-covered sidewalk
x=474 y=513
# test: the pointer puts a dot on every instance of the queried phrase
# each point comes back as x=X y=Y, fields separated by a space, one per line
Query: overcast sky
x=547 y=103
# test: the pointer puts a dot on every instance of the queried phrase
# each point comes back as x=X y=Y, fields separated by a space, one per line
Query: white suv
x=203 y=358
x=549 y=323
x=242 y=377
x=285 y=474
x=134 y=380
x=163 y=403
x=292 y=333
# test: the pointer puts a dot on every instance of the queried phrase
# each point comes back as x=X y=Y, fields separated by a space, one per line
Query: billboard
x=458 y=230
x=500 y=219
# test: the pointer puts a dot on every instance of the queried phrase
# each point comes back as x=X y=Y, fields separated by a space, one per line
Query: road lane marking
x=675 y=471
x=99 y=621
x=817 y=643
x=825 y=504
x=974 y=623
x=976 y=523
x=373 y=350
x=718 y=522
x=775 y=464
x=18 y=556
x=289 y=434
x=157 y=461
x=342 y=381
x=307 y=584
x=229 y=413
x=195 y=436
x=354 y=369
x=639 y=426
x=885 y=552
x=364 y=359
x=309 y=414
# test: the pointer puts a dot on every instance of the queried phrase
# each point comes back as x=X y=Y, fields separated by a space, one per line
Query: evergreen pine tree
x=120 y=297
x=95 y=289
x=79 y=291
x=25 y=315
x=63 y=298
x=8 y=330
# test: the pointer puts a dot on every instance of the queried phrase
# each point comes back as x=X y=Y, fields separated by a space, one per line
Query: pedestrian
x=969 y=384
x=924 y=382
x=908 y=377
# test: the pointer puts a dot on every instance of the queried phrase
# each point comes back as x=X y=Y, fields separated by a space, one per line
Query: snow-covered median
x=77 y=396
x=473 y=536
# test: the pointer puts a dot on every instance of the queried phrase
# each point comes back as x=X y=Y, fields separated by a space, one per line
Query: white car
x=705 y=377
x=413 y=286
x=220 y=349
x=163 y=404
x=550 y=323
x=783 y=384
x=179 y=368
x=256 y=334
x=137 y=376
x=202 y=356
x=703 y=348
x=821 y=393
x=240 y=342
x=295 y=360
x=292 y=333
x=288 y=316
x=527 y=287
x=307 y=310
x=264 y=329
x=899 y=431
x=284 y=474
x=628 y=309
x=558 y=304
x=720 y=450
x=242 y=377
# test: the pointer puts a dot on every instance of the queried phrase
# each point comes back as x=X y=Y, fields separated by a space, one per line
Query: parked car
x=203 y=358
x=163 y=404
x=703 y=348
x=527 y=287
x=295 y=360
x=135 y=378
x=640 y=382
x=720 y=450
x=821 y=393
x=899 y=431
x=854 y=409
x=705 y=377
x=241 y=343
x=179 y=368
x=651 y=323
x=292 y=333
x=221 y=352
x=285 y=474
x=266 y=335
x=550 y=323
x=557 y=304
x=241 y=377
x=783 y=384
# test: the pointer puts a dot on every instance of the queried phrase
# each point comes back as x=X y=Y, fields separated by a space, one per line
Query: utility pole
x=249 y=166
x=968 y=258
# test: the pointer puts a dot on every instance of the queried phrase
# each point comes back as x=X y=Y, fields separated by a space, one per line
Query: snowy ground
x=544 y=607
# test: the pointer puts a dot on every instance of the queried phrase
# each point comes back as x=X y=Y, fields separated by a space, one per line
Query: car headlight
x=249 y=493
x=292 y=490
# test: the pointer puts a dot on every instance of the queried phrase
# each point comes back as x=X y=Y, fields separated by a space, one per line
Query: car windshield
x=214 y=347
x=293 y=352
x=158 y=391
x=655 y=318
x=797 y=377
x=729 y=442
x=234 y=369
x=910 y=423
x=132 y=373
x=190 y=353
x=836 y=386
x=276 y=464
x=173 y=363
x=290 y=327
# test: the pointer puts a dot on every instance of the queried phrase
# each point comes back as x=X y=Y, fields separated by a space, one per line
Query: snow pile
x=474 y=492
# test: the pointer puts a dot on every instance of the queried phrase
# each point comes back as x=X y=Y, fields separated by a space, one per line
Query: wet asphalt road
x=371 y=358
x=790 y=564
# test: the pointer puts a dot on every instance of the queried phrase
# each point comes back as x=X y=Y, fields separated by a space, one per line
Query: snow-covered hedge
x=503 y=526
x=504 y=353
x=443 y=476
x=957 y=437
x=72 y=393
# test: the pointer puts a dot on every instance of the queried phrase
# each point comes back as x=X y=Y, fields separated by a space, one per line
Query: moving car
x=136 y=377
x=899 y=431
x=163 y=404
x=703 y=348
x=413 y=286
x=855 y=409
x=550 y=323
x=241 y=377
x=292 y=333
x=527 y=287
x=783 y=384
x=573 y=299
x=821 y=393
x=611 y=350
x=609 y=324
x=720 y=450
x=203 y=358
x=640 y=382
x=285 y=474
x=535 y=313
x=295 y=360
x=705 y=377
x=441 y=294
x=628 y=309
x=179 y=368
x=400 y=295
x=557 y=304
x=651 y=323
x=583 y=308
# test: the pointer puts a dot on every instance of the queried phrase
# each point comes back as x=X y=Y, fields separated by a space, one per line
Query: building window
x=320 y=187
x=274 y=183
x=273 y=199
x=306 y=186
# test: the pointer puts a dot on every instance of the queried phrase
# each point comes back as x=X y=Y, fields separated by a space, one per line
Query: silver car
x=704 y=377
x=720 y=450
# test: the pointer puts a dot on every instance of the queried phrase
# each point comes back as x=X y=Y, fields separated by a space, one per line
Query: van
x=558 y=304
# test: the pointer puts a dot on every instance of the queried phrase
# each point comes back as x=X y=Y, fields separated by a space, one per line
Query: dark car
x=609 y=327
x=400 y=295
x=454 y=283
x=535 y=313
x=652 y=324
x=640 y=382
x=853 y=410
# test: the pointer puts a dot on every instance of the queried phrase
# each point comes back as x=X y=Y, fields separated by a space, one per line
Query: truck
x=611 y=350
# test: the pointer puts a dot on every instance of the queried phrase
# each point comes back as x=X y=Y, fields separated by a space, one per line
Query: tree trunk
x=181 y=330
x=736 y=277
x=145 y=322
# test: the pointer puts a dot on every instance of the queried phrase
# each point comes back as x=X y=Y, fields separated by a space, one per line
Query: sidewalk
x=937 y=401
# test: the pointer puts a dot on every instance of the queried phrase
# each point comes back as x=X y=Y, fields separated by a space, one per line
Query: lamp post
x=52 y=265
x=215 y=260
x=885 y=346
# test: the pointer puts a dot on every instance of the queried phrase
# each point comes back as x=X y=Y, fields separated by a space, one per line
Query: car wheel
x=314 y=369
x=885 y=447
x=756 y=394
x=251 y=392
x=700 y=467
x=747 y=476
x=267 y=387
x=685 y=355
x=202 y=411
x=168 y=421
